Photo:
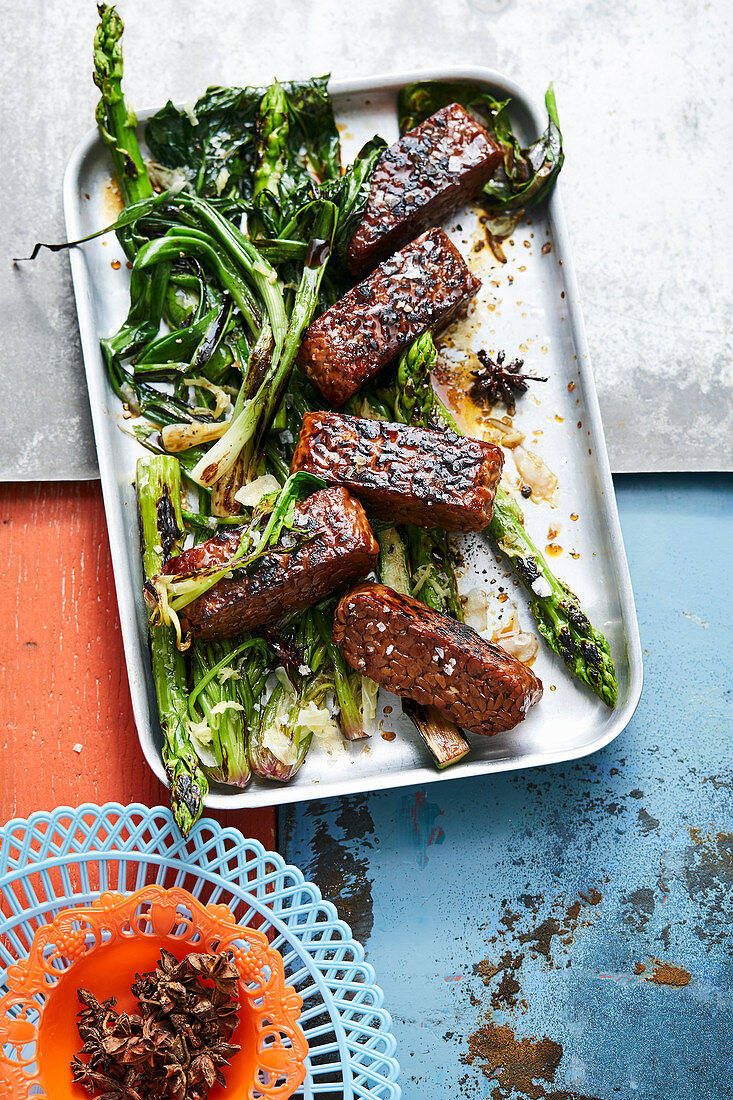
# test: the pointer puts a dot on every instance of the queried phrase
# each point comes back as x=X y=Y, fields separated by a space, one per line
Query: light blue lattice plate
x=52 y=861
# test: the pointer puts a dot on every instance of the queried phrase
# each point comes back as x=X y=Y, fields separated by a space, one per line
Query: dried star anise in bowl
x=495 y=382
x=175 y=1045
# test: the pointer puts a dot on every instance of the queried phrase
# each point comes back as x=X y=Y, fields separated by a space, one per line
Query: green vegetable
x=253 y=420
x=413 y=396
x=117 y=122
x=312 y=117
x=129 y=216
x=177 y=345
x=142 y=324
x=247 y=258
x=433 y=577
x=212 y=144
x=161 y=525
x=558 y=614
x=347 y=686
x=297 y=147
x=279 y=744
x=278 y=732
x=527 y=174
x=194 y=243
x=273 y=130
x=350 y=192
x=233 y=142
x=220 y=704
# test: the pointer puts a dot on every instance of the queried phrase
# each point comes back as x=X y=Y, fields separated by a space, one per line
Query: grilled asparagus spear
x=117 y=122
x=161 y=526
x=560 y=619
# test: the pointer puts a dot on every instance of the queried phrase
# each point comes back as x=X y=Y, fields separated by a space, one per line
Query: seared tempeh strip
x=401 y=473
x=419 y=181
x=422 y=287
x=340 y=548
x=436 y=661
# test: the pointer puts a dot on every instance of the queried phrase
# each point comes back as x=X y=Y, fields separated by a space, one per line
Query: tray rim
x=288 y=793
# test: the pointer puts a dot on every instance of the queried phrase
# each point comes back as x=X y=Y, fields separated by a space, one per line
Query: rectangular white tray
x=530 y=302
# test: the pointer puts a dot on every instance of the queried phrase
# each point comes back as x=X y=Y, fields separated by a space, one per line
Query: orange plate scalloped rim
x=100 y=948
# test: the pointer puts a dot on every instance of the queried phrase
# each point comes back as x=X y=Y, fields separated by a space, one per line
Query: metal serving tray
x=530 y=302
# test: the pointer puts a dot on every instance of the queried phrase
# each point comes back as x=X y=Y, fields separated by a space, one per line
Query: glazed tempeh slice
x=422 y=287
x=420 y=181
x=340 y=548
x=436 y=661
x=401 y=473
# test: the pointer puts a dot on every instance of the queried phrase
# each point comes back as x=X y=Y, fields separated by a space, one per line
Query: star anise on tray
x=178 y=1043
x=497 y=382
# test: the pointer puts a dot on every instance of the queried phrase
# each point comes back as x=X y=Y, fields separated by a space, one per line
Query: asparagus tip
x=187 y=801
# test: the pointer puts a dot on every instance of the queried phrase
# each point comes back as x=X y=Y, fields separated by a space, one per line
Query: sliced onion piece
x=521 y=644
x=535 y=473
x=180 y=437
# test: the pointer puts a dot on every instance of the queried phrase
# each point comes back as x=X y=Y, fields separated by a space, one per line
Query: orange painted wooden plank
x=63 y=680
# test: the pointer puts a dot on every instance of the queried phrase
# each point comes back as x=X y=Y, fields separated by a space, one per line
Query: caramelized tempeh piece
x=436 y=661
x=422 y=287
x=401 y=473
x=421 y=180
x=341 y=549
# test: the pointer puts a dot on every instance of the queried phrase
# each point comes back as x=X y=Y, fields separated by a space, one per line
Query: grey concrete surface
x=645 y=98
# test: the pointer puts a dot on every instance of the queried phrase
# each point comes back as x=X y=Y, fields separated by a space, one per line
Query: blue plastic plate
x=53 y=861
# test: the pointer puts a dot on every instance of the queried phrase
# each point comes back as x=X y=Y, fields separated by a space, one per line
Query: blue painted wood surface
x=570 y=878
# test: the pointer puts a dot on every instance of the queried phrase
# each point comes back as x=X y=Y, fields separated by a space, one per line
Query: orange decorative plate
x=100 y=948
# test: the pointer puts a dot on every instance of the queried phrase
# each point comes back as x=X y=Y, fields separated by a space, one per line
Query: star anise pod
x=175 y=1047
x=86 y=1076
x=92 y=1007
x=176 y=1081
x=227 y=1015
x=220 y=969
x=497 y=382
x=203 y=1070
x=115 y=1087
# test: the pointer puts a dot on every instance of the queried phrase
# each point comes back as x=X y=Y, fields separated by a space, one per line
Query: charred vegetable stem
x=249 y=258
x=443 y=738
x=161 y=525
